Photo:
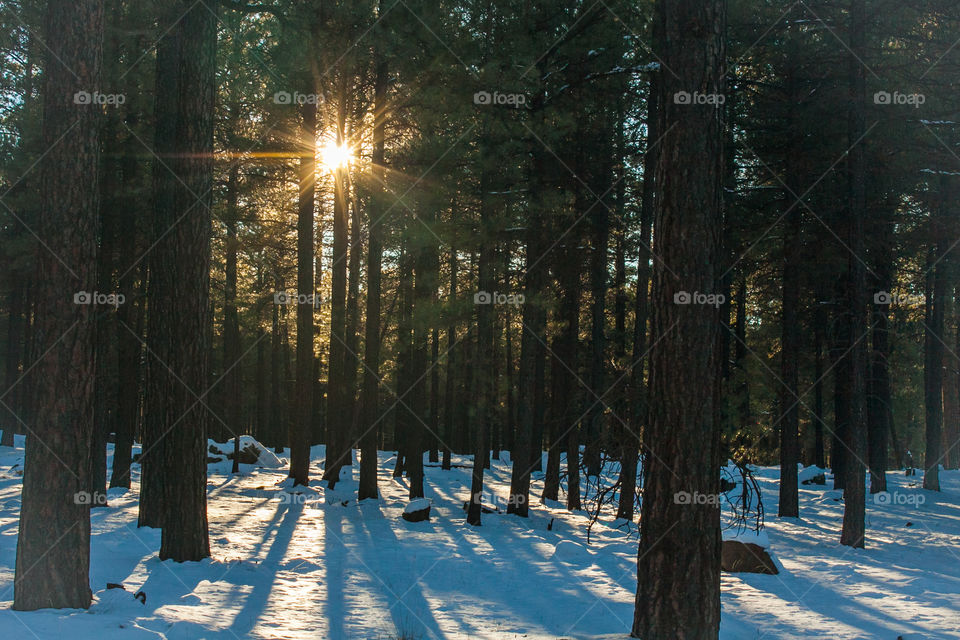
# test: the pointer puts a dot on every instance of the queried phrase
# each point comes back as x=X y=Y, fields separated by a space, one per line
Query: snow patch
x=417 y=504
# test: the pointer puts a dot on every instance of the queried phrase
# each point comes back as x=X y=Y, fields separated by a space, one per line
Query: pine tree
x=678 y=575
x=53 y=545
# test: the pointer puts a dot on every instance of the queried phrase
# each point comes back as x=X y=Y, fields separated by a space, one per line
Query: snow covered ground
x=306 y=566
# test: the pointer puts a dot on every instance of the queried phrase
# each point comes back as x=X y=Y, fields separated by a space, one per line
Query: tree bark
x=638 y=403
x=277 y=411
x=678 y=568
x=15 y=322
x=452 y=374
x=338 y=420
x=790 y=342
x=300 y=426
x=129 y=319
x=424 y=292
x=371 y=369
x=878 y=401
x=53 y=545
x=162 y=280
x=231 y=322
x=486 y=318
x=854 y=490
x=180 y=348
x=819 y=454
x=532 y=339
x=933 y=343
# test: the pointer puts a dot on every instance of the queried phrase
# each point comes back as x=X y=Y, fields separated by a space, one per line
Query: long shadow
x=256 y=601
x=169 y=577
x=237 y=516
x=333 y=555
x=410 y=601
x=515 y=564
x=509 y=567
x=873 y=622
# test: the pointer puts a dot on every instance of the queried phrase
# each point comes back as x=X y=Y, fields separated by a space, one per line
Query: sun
x=335 y=156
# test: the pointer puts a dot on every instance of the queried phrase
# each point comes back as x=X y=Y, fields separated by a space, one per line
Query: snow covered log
x=417 y=511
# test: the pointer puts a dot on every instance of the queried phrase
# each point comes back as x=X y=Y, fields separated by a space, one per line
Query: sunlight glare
x=335 y=156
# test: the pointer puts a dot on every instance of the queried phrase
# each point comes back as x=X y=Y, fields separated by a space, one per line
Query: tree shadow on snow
x=409 y=610
x=256 y=600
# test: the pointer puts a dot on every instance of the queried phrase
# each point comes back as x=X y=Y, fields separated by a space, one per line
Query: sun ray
x=335 y=156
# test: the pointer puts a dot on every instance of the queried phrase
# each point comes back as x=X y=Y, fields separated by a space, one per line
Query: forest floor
x=298 y=567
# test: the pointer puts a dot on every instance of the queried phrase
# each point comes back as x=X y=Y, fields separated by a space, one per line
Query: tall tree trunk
x=951 y=393
x=486 y=319
x=566 y=359
x=232 y=383
x=790 y=343
x=878 y=401
x=951 y=439
x=288 y=382
x=104 y=413
x=740 y=354
x=186 y=252
x=424 y=292
x=403 y=414
x=819 y=454
x=434 y=411
x=352 y=347
x=452 y=373
x=839 y=340
x=277 y=407
x=600 y=240
x=932 y=369
x=300 y=426
x=338 y=420
x=162 y=281
x=129 y=319
x=371 y=356
x=15 y=322
x=53 y=544
x=638 y=403
x=261 y=393
x=532 y=339
x=854 y=490
x=551 y=477
x=678 y=572
x=105 y=384
x=933 y=343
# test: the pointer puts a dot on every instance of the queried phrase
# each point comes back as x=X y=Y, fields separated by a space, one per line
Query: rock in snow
x=746 y=557
x=251 y=452
x=417 y=511
x=571 y=552
x=116 y=599
x=812 y=475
